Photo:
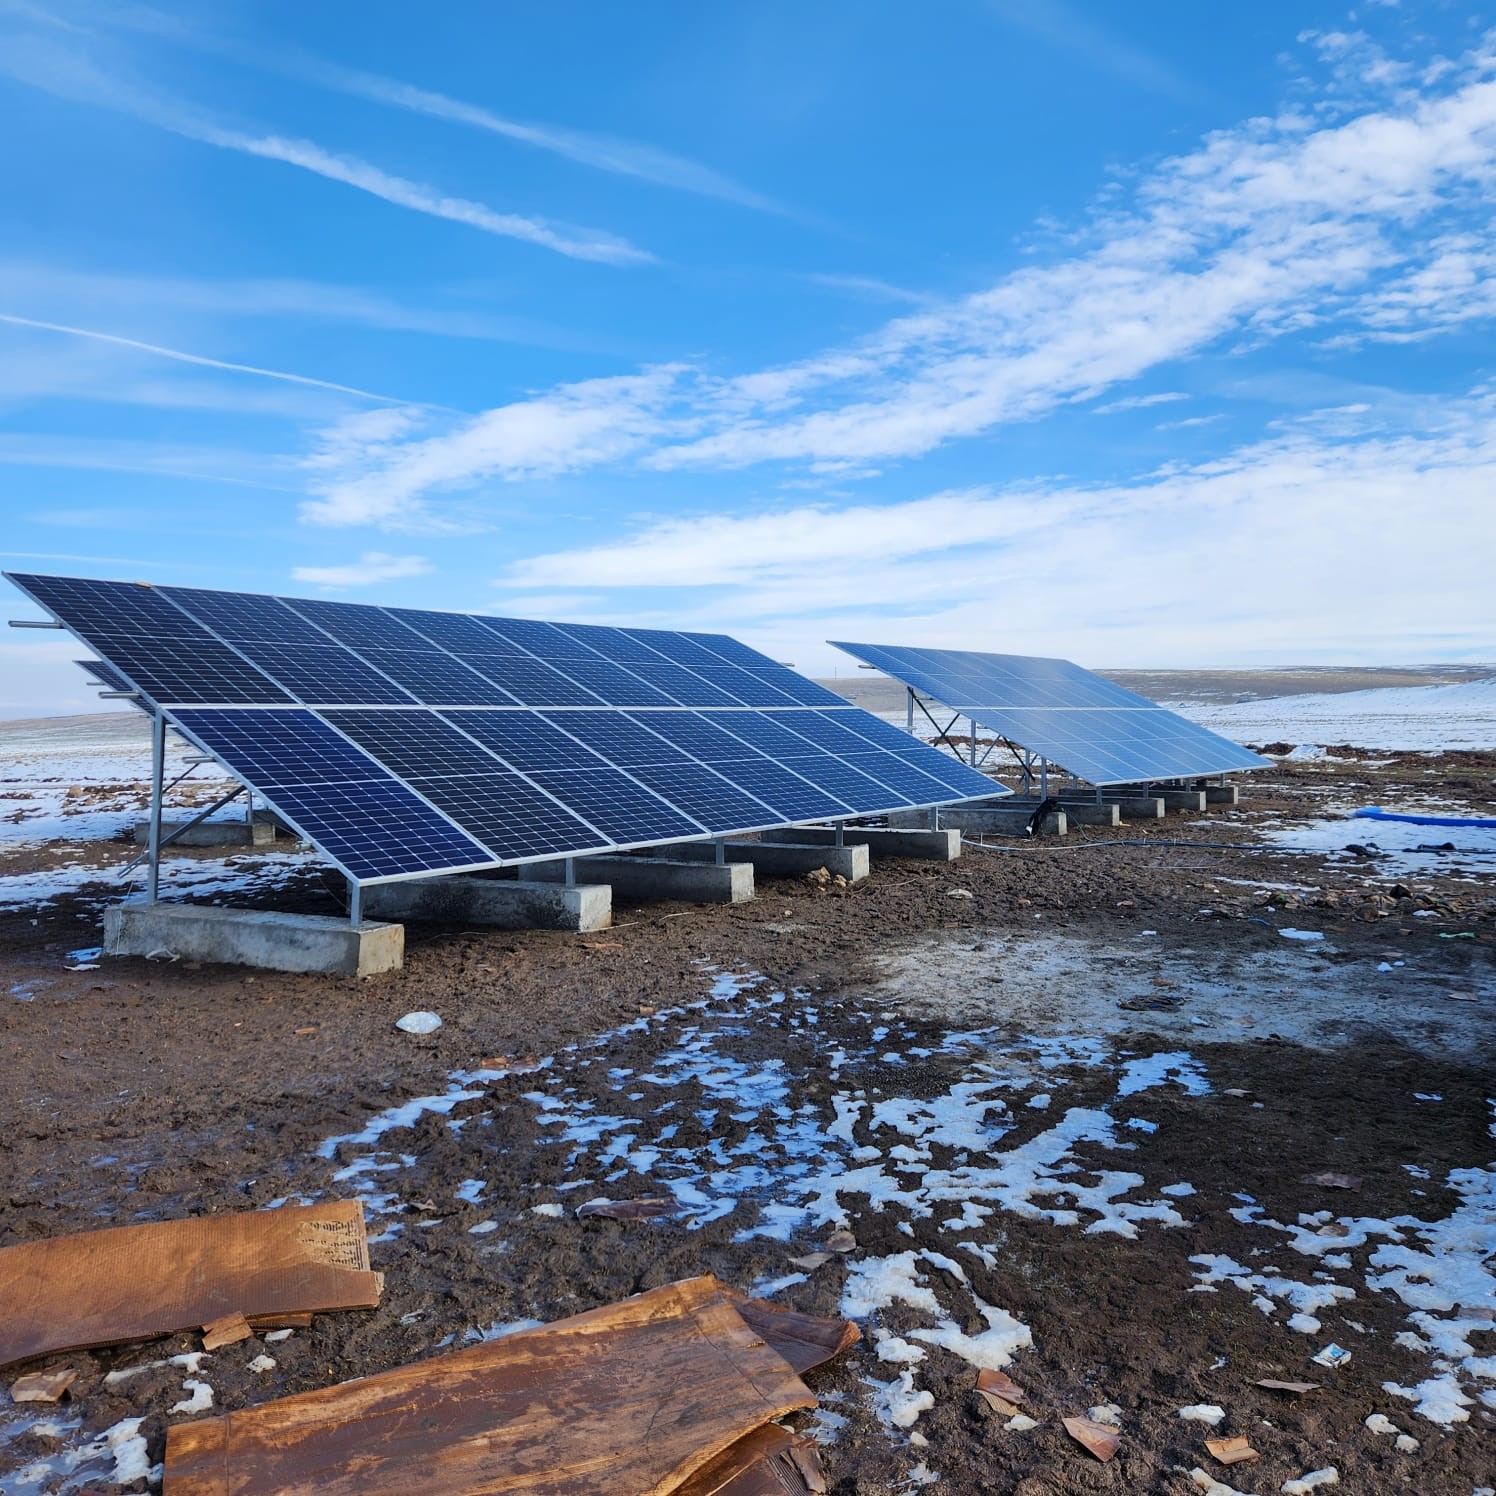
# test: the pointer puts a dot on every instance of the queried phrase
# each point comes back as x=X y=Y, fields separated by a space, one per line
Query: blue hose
x=1376 y=813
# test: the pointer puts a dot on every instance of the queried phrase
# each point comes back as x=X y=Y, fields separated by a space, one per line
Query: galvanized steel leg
x=158 y=773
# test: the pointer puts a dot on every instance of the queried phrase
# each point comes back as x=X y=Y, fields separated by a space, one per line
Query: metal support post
x=909 y=709
x=1043 y=778
x=973 y=742
x=355 y=903
x=571 y=872
x=719 y=851
x=934 y=818
x=841 y=833
x=158 y=772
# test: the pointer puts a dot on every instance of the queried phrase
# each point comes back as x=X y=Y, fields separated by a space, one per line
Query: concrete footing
x=997 y=818
x=254 y=937
x=496 y=903
x=1137 y=807
x=240 y=833
x=777 y=859
x=1079 y=812
x=668 y=879
x=927 y=845
x=1222 y=794
x=1182 y=799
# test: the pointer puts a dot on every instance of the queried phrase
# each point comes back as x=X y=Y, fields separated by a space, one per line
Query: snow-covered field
x=1417 y=718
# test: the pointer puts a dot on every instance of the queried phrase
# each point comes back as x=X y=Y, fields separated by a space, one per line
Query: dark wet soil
x=145 y=1090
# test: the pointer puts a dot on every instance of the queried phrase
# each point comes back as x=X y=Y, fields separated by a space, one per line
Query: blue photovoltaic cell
x=437 y=678
x=404 y=742
x=239 y=616
x=359 y=626
x=356 y=812
x=526 y=741
x=1076 y=719
x=713 y=800
x=624 y=740
x=106 y=675
x=619 y=806
x=324 y=674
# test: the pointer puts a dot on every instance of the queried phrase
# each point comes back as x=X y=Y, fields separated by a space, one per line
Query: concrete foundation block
x=1223 y=794
x=977 y=817
x=661 y=878
x=777 y=859
x=1182 y=799
x=496 y=903
x=927 y=845
x=1138 y=807
x=255 y=937
x=1086 y=812
x=256 y=833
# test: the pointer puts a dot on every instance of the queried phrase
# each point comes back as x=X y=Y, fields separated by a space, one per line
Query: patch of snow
x=1202 y=1413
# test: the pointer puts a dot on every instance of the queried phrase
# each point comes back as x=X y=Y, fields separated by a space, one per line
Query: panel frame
x=731 y=654
x=904 y=664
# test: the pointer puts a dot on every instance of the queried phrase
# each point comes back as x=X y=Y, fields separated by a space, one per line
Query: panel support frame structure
x=1090 y=728
x=158 y=774
x=246 y=689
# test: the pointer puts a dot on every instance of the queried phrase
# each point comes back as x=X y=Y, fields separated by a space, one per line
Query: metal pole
x=1043 y=778
x=158 y=772
x=841 y=833
x=355 y=903
x=973 y=742
x=571 y=872
x=909 y=710
x=719 y=851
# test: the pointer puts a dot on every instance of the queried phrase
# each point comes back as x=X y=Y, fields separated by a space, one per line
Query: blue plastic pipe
x=1376 y=813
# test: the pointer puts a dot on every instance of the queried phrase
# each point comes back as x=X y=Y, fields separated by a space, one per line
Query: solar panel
x=404 y=742
x=1078 y=720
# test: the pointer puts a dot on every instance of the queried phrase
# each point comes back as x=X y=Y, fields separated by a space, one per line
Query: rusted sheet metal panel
x=135 y=1282
x=636 y=1397
x=771 y=1461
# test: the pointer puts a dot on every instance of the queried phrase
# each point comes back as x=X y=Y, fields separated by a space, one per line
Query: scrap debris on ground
x=1094 y=1150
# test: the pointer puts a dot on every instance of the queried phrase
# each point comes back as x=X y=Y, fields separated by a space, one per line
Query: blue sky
x=1148 y=335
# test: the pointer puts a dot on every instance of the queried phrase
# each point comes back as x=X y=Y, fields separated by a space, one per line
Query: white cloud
x=629 y=158
x=43 y=63
x=371 y=567
x=1273 y=227
x=36 y=285
x=1140 y=402
x=366 y=473
x=156 y=350
x=1332 y=540
x=1190 y=421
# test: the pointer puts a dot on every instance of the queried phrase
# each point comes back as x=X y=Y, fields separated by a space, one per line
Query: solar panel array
x=1075 y=718
x=404 y=742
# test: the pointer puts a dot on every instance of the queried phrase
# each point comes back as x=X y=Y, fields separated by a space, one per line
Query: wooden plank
x=136 y=1282
x=636 y=1397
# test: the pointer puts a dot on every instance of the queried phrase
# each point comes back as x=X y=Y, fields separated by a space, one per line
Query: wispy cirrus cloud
x=1278 y=227
x=603 y=152
x=68 y=71
x=371 y=567
x=628 y=158
x=156 y=350
x=1063 y=27
x=1140 y=402
x=44 y=288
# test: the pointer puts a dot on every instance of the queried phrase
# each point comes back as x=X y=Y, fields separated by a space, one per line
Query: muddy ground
x=903 y=1057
